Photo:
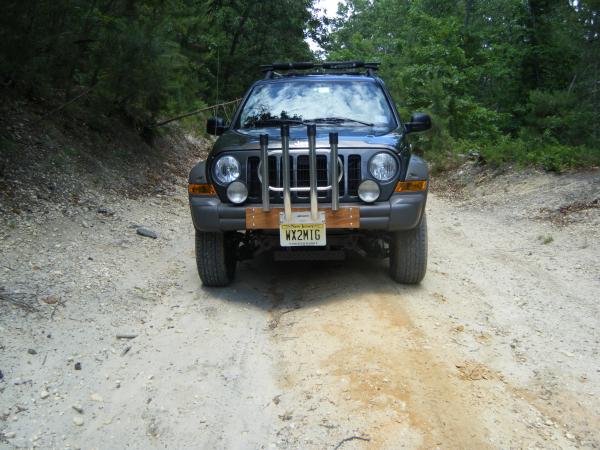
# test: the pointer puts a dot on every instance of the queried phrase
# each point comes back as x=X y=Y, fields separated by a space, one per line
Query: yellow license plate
x=301 y=231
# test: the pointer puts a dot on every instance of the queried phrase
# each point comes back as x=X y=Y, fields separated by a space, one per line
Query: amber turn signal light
x=201 y=189
x=411 y=186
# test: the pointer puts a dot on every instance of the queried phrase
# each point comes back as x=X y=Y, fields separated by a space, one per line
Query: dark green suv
x=314 y=163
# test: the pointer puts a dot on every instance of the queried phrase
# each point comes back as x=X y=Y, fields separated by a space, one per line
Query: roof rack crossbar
x=328 y=65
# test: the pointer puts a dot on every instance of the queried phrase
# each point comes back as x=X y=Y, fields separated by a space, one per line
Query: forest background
x=511 y=81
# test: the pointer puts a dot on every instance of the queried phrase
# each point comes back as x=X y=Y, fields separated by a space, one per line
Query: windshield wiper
x=260 y=122
x=275 y=121
x=339 y=120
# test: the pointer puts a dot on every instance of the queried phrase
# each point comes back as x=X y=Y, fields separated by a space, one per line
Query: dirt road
x=498 y=348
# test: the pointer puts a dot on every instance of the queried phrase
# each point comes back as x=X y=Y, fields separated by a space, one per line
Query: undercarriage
x=361 y=242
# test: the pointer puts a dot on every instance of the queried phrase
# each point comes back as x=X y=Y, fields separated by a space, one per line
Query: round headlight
x=368 y=191
x=227 y=169
x=237 y=192
x=383 y=166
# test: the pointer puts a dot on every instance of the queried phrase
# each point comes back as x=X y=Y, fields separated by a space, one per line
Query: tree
x=145 y=58
x=486 y=70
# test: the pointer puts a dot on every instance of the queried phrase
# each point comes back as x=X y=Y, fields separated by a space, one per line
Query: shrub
x=545 y=153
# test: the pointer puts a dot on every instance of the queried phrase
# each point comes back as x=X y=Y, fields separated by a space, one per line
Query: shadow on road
x=272 y=285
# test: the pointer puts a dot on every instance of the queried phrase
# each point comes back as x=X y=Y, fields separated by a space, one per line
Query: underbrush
x=540 y=153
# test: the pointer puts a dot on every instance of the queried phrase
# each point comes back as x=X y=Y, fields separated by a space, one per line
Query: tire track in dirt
x=364 y=359
x=401 y=375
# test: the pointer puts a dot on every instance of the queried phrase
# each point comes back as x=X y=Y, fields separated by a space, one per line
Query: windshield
x=359 y=103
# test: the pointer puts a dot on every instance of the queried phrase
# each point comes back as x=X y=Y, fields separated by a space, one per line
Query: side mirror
x=216 y=126
x=418 y=122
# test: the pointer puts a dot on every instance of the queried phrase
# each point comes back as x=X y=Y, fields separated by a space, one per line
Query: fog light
x=237 y=192
x=368 y=191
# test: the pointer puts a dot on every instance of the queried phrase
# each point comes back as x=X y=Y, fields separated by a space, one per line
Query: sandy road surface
x=498 y=348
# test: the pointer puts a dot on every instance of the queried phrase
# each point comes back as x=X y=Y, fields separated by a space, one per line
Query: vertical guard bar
x=312 y=169
x=335 y=194
x=285 y=167
x=264 y=168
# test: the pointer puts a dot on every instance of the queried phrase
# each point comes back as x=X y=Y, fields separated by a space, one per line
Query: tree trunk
x=235 y=42
x=468 y=12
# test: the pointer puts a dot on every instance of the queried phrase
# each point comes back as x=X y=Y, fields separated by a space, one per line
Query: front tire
x=408 y=254
x=215 y=258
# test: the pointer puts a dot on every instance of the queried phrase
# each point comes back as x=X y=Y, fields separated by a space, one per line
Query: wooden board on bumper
x=345 y=217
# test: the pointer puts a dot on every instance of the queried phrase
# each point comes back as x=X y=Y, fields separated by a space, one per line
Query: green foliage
x=147 y=58
x=516 y=81
x=558 y=114
x=543 y=152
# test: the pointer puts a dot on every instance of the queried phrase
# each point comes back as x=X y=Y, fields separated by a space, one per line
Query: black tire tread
x=408 y=254
x=215 y=261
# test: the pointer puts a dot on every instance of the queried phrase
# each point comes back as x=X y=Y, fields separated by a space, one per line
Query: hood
x=348 y=137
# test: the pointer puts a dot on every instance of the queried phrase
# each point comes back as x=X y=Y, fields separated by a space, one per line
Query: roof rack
x=270 y=69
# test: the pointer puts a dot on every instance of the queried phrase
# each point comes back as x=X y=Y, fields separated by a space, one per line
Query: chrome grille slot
x=322 y=178
x=303 y=175
x=274 y=172
x=253 y=181
x=252 y=177
x=342 y=191
x=354 y=175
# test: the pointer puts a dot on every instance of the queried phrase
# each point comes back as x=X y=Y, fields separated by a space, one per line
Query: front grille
x=300 y=177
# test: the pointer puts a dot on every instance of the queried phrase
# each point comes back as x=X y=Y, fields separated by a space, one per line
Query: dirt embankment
x=108 y=339
x=50 y=160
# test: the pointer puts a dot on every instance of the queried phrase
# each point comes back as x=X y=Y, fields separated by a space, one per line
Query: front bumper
x=401 y=212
